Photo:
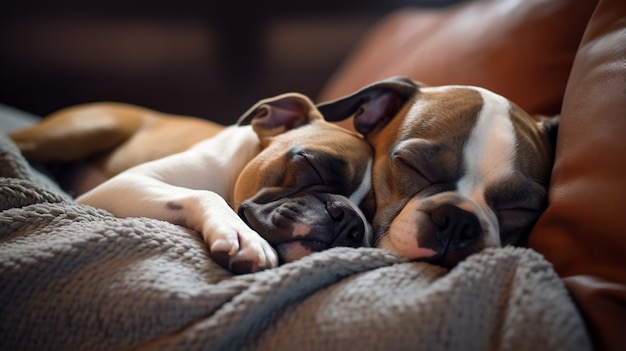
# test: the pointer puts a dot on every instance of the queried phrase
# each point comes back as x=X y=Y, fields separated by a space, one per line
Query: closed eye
x=515 y=223
x=408 y=174
x=303 y=171
x=310 y=168
x=315 y=170
x=517 y=202
x=514 y=217
x=412 y=167
x=419 y=164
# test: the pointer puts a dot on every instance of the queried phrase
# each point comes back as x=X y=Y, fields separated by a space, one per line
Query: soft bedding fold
x=73 y=277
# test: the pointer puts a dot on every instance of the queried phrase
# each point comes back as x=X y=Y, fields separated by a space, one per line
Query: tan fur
x=100 y=140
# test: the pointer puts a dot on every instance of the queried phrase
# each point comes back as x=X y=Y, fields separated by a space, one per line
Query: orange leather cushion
x=522 y=49
x=583 y=231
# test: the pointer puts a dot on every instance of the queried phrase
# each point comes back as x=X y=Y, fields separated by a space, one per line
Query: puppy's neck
x=230 y=151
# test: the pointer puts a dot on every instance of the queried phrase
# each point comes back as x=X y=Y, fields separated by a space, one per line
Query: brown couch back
x=522 y=49
x=583 y=231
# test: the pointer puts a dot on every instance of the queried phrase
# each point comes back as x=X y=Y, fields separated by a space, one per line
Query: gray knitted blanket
x=76 y=278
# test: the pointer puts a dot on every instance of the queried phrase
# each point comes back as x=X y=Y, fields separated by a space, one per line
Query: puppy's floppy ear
x=373 y=105
x=276 y=115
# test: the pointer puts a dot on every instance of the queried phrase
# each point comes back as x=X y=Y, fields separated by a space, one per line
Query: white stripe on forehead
x=490 y=149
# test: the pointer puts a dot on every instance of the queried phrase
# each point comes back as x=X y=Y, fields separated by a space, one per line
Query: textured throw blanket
x=76 y=278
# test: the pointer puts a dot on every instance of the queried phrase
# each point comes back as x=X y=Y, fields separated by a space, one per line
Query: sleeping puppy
x=456 y=168
x=297 y=184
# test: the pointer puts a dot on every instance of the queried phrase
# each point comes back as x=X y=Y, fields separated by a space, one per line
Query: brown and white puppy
x=456 y=168
x=299 y=183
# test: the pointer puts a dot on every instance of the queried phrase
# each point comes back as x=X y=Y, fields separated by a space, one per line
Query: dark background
x=211 y=59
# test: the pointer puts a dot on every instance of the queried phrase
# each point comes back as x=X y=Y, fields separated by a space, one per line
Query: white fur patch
x=366 y=183
x=488 y=154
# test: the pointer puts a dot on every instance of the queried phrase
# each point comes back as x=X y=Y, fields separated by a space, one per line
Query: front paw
x=240 y=249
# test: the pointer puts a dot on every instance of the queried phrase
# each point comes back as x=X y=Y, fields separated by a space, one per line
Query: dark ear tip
x=550 y=127
x=363 y=129
x=247 y=116
x=291 y=101
x=278 y=114
x=550 y=123
x=404 y=85
x=342 y=108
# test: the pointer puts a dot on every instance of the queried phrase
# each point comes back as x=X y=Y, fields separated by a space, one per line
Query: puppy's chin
x=408 y=249
x=295 y=250
x=411 y=250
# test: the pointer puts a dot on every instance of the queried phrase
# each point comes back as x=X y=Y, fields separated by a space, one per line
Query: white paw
x=238 y=248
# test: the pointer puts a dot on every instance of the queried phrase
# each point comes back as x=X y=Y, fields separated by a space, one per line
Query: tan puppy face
x=310 y=187
x=456 y=169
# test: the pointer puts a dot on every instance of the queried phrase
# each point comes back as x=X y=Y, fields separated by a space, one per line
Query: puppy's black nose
x=456 y=228
x=348 y=226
